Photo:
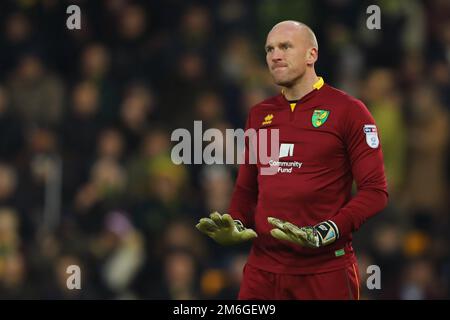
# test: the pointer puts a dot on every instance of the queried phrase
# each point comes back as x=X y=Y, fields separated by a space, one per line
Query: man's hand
x=224 y=230
x=316 y=236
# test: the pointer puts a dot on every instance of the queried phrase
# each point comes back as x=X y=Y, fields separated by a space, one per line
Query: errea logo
x=268 y=119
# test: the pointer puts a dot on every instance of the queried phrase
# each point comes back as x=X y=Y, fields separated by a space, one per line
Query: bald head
x=291 y=51
x=304 y=31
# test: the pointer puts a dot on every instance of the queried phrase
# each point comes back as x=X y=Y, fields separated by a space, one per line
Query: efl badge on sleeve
x=371 y=135
x=319 y=117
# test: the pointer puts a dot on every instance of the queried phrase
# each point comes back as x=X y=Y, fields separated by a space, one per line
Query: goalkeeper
x=301 y=219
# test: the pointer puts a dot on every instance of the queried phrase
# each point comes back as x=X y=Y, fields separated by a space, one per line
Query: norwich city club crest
x=319 y=117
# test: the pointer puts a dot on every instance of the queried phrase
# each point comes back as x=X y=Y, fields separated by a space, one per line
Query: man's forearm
x=365 y=204
x=243 y=204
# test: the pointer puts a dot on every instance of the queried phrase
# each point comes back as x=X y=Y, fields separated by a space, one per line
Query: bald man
x=301 y=219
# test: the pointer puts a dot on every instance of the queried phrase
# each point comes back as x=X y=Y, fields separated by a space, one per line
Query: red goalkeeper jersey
x=328 y=139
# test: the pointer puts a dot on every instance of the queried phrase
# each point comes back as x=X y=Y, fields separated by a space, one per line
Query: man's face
x=286 y=54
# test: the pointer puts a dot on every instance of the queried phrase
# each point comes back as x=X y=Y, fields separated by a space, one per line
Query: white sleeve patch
x=371 y=133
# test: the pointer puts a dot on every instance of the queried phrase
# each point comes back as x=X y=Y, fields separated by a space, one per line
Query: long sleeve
x=245 y=193
x=366 y=159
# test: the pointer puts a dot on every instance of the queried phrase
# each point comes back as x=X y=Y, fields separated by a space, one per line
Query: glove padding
x=321 y=234
x=224 y=230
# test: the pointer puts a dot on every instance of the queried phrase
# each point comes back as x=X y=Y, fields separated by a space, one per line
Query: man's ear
x=312 y=55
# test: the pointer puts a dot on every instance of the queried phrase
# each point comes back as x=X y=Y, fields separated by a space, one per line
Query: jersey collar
x=319 y=83
x=316 y=86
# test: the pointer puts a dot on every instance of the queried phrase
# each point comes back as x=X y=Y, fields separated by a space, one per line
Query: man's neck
x=301 y=88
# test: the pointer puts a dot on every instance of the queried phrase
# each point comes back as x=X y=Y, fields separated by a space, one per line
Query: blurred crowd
x=86 y=116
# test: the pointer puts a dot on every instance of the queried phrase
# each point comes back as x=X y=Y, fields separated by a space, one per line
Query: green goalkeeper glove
x=321 y=234
x=224 y=230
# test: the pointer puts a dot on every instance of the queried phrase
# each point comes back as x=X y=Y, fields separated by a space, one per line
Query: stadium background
x=85 y=122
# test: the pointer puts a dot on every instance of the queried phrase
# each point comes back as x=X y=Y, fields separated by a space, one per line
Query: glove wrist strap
x=327 y=231
x=239 y=225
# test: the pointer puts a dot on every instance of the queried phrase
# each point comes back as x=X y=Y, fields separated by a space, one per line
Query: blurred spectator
x=17 y=37
x=101 y=193
x=180 y=235
x=387 y=254
x=155 y=143
x=429 y=138
x=135 y=112
x=234 y=16
x=11 y=131
x=111 y=145
x=125 y=257
x=209 y=109
x=130 y=45
x=80 y=128
x=217 y=188
x=83 y=114
x=441 y=80
x=165 y=200
x=233 y=273
x=13 y=282
x=95 y=68
x=188 y=77
x=36 y=95
x=419 y=281
x=180 y=276
x=382 y=98
x=95 y=62
x=8 y=184
x=40 y=168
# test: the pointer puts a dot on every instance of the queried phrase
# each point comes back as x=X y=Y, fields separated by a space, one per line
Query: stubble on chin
x=282 y=82
x=287 y=82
